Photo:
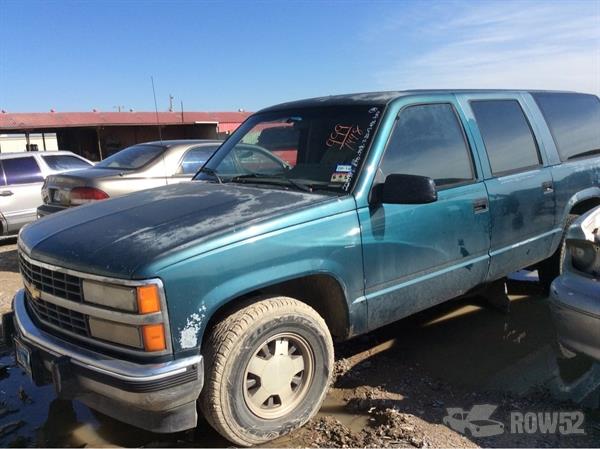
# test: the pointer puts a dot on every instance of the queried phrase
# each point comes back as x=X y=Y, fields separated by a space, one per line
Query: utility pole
x=119 y=108
x=171 y=98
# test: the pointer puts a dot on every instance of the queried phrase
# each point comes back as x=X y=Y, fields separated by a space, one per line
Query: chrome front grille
x=53 y=282
x=57 y=316
x=54 y=300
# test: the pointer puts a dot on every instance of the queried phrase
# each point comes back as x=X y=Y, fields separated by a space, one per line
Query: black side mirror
x=407 y=189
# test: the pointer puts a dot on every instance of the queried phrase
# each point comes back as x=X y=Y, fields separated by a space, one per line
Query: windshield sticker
x=343 y=168
x=374 y=113
x=340 y=177
x=344 y=136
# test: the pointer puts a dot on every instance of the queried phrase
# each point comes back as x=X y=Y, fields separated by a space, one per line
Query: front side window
x=428 y=140
x=60 y=162
x=574 y=121
x=506 y=134
x=132 y=158
x=319 y=148
x=22 y=170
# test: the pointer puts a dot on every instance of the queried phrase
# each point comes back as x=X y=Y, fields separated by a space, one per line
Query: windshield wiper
x=212 y=172
x=269 y=179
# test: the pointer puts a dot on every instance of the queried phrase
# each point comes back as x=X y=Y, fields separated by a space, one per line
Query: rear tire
x=552 y=267
x=269 y=366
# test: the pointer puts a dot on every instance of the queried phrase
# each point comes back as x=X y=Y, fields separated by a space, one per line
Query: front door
x=416 y=256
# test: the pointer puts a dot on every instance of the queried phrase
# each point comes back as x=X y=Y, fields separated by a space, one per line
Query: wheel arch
x=584 y=206
x=3 y=225
x=581 y=202
x=322 y=291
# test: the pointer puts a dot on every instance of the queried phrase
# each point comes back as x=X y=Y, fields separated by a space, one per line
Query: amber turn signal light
x=148 y=299
x=154 y=337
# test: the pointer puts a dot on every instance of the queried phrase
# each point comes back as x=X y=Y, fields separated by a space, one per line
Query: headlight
x=134 y=301
x=143 y=299
x=110 y=295
x=116 y=332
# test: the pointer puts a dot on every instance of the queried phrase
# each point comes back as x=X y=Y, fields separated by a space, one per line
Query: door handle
x=480 y=205
x=6 y=193
x=548 y=187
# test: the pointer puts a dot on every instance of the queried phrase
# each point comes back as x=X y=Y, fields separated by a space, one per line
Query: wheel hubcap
x=278 y=375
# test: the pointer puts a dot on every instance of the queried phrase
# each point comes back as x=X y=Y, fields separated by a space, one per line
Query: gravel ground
x=393 y=387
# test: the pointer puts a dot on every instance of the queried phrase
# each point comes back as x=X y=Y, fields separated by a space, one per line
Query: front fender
x=198 y=287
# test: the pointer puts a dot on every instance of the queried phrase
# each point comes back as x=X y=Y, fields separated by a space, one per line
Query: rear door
x=518 y=181
x=418 y=255
x=21 y=196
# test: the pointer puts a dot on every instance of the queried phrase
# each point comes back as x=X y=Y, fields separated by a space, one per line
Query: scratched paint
x=188 y=337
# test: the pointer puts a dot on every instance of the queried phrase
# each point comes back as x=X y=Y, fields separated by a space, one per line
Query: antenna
x=156 y=109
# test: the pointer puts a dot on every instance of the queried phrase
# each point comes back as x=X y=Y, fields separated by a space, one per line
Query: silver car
x=575 y=294
x=21 y=179
x=139 y=167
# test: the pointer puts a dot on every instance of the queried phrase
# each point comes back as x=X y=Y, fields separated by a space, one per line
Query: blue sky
x=75 y=56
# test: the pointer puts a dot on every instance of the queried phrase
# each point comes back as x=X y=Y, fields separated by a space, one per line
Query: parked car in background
x=223 y=295
x=575 y=294
x=21 y=179
x=141 y=166
x=144 y=166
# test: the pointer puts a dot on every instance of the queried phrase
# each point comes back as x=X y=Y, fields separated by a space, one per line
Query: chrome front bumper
x=160 y=397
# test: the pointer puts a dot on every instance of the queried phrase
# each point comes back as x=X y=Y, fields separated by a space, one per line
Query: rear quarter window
x=22 y=170
x=574 y=121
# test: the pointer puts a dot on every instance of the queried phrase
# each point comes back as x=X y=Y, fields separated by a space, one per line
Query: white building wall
x=12 y=143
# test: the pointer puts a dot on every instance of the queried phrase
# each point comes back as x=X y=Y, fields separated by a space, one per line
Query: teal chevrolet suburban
x=224 y=295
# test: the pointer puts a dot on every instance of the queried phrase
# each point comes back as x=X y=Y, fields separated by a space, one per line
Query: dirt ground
x=10 y=281
x=393 y=387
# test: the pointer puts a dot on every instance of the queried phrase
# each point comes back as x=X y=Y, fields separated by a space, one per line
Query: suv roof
x=31 y=153
x=383 y=98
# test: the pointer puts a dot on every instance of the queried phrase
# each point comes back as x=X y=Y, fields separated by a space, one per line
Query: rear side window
x=195 y=158
x=507 y=136
x=428 y=140
x=21 y=170
x=574 y=121
x=60 y=162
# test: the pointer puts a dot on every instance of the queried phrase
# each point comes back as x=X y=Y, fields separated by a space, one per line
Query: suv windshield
x=132 y=158
x=320 y=148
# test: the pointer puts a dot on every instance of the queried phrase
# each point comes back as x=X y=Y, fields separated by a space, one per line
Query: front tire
x=269 y=366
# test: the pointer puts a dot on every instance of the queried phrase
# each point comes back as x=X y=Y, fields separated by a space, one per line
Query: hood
x=115 y=237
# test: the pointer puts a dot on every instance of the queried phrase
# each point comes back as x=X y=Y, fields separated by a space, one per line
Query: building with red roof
x=96 y=135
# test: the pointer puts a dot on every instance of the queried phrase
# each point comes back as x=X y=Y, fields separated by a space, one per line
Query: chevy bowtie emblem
x=34 y=292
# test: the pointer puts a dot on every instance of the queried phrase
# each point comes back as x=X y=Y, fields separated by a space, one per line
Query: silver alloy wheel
x=278 y=375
